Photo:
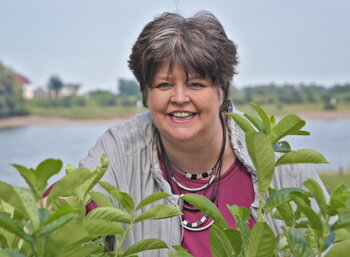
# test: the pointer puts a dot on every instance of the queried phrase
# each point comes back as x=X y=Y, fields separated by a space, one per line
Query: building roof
x=22 y=79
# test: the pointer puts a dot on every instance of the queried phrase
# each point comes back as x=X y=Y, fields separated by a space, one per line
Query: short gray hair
x=199 y=44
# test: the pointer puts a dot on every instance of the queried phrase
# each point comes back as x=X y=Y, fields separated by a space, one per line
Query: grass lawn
x=333 y=179
x=86 y=112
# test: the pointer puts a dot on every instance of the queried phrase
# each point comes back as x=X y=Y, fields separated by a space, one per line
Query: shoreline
x=34 y=120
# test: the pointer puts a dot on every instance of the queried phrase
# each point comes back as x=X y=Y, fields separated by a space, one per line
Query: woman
x=185 y=143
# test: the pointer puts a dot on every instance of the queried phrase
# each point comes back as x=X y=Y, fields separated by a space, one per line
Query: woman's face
x=183 y=108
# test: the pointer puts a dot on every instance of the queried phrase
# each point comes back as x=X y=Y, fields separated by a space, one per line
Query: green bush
x=58 y=226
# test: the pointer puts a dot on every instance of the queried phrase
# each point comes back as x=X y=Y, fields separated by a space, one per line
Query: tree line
x=11 y=101
x=286 y=94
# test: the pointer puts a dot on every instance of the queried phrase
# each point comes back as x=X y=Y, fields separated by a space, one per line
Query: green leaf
x=206 y=206
x=10 y=253
x=317 y=192
x=160 y=211
x=298 y=243
x=314 y=220
x=68 y=183
x=341 y=235
x=220 y=245
x=312 y=238
x=282 y=147
x=59 y=203
x=264 y=117
x=100 y=199
x=329 y=240
x=22 y=200
x=27 y=200
x=263 y=157
x=3 y=239
x=85 y=187
x=90 y=250
x=61 y=212
x=102 y=227
x=288 y=125
x=261 y=241
x=300 y=133
x=145 y=245
x=273 y=121
x=286 y=213
x=109 y=213
x=340 y=198
x=339 y=250
x=45 y=170
x=279 y=197
x=256 y=122
x=343 y=222
x=129 y=200
x=179 y=248
x=180 y=254
x=29 y=177
x=10 y=197
x=59 y=219
x=121 y=198
x=10 y=225
x=241 y=212
x=242 y=122
x=301 y=156
x=44 y=214
x=100 y=171
x=241 y=218
x=234 y=236
x=151 y=199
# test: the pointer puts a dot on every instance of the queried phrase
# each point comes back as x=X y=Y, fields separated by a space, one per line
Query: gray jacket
x=134 y=168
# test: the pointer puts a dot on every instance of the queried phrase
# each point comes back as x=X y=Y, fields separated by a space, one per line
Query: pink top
x=235 y=188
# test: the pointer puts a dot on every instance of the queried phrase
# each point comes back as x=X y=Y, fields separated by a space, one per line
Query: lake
x=28 y=146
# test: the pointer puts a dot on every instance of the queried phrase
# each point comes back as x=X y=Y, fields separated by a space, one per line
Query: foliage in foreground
x=58 y=226
x=307 y=231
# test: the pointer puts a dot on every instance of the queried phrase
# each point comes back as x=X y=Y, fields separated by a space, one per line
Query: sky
x=89 y=41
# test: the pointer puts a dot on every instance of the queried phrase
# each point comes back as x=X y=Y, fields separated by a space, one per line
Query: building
x=27 y=88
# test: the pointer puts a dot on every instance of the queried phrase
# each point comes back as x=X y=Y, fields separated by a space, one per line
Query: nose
x=180 y=95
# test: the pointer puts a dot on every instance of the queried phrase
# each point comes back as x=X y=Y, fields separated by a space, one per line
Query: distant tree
x=11 y=101
x=55 y=84
x=248 y=94
x=103 y=97
x=128 y=87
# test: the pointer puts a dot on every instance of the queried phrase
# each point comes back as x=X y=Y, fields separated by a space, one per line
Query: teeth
x=181 y=115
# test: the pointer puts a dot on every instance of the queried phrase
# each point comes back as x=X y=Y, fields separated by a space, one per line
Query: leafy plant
x=308 y=231
x=58 y=226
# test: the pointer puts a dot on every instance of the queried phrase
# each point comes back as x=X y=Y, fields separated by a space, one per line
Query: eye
x=164 y=85
x=196 y=85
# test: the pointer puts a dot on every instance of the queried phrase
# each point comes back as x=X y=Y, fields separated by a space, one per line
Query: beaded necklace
x=214 y=179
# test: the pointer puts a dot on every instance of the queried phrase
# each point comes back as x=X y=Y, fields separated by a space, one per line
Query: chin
x=182 y=136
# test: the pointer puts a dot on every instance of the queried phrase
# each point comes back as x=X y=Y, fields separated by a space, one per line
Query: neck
x=200 y=154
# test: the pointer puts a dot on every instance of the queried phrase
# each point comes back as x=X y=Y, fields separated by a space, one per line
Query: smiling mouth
x=182 y=115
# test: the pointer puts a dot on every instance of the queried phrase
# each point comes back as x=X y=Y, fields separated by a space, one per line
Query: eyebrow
x=162 y=78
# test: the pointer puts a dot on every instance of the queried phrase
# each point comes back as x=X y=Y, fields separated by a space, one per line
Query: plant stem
x=128 y=228
x=324 y=236
x=261 y=200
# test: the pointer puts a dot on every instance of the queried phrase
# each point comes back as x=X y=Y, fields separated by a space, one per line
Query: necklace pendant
x=196 y=226
x=194 y=189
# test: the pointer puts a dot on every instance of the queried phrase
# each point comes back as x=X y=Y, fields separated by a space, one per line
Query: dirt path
x=32 y=120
